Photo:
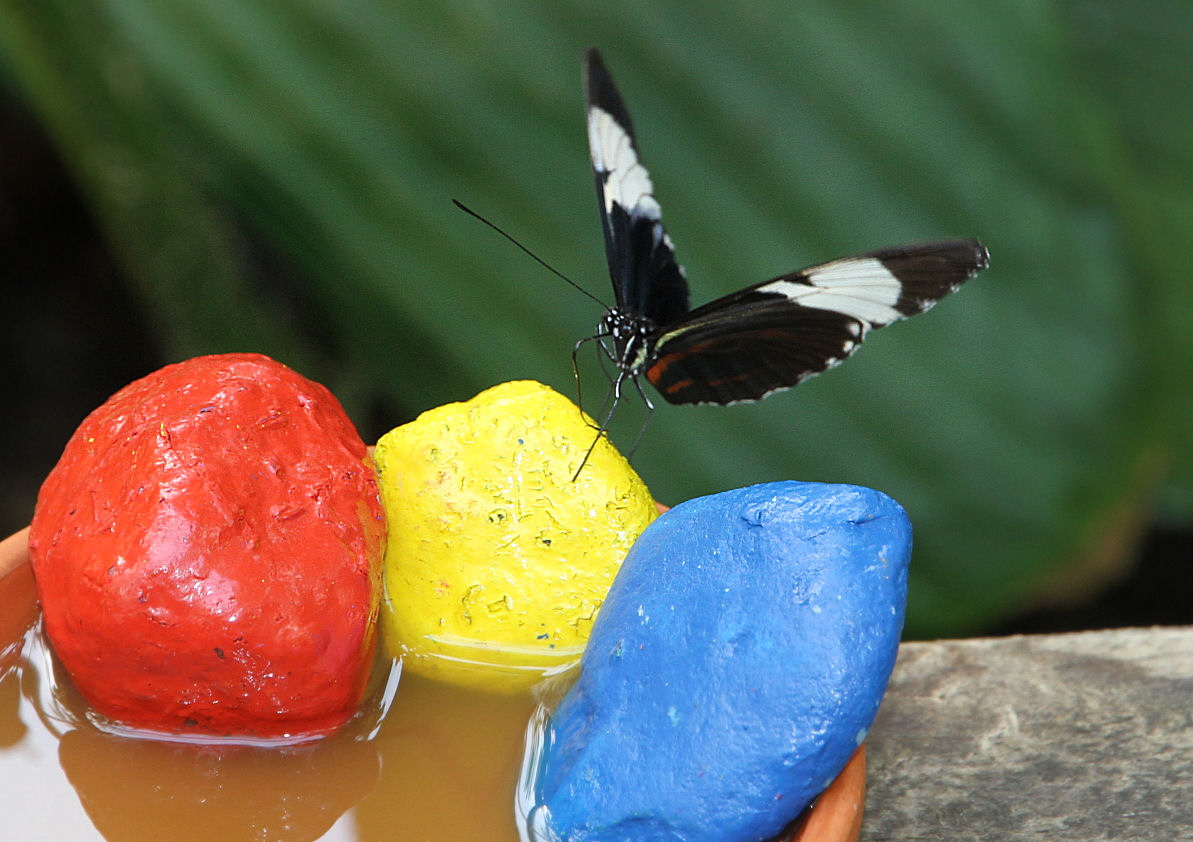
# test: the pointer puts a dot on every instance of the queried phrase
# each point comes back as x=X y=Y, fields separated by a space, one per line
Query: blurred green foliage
x=1030 y=424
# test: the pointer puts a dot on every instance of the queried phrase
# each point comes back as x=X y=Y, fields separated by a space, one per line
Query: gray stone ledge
x=1085 y=736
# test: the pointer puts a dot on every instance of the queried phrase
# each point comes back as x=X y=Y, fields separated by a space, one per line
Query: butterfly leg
x=606 y=416
x=603 y=352
x=649 y=415
x=576 y=372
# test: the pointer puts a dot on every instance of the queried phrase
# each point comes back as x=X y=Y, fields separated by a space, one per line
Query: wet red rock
x=207 y=553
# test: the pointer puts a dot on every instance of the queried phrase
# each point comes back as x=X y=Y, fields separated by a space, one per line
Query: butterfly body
x=763 y=338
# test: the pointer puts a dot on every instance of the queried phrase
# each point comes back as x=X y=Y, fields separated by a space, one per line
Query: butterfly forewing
x=930 y=271
x=647 y=281
x=778 y=333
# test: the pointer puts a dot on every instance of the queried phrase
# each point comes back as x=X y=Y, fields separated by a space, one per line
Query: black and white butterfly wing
x=766 y=337
x=647 y=281
x=776 y=334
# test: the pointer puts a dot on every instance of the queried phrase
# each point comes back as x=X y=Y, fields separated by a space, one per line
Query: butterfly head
x=632 y=337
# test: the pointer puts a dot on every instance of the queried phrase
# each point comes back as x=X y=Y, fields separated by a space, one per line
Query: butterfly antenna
x=527 y=251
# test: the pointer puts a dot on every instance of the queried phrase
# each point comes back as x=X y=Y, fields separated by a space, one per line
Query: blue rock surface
x=736 y=665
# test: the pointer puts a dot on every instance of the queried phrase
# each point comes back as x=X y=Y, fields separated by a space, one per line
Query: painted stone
x=499 y=555
x=208 y=554
x=737 y=663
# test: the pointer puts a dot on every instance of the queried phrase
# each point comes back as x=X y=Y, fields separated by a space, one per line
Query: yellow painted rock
x=497 y=561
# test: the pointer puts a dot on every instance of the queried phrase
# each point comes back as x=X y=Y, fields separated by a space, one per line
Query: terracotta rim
x=14 y=551
x=837 y=814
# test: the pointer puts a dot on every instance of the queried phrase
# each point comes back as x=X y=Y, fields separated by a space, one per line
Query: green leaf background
x=1032 y=425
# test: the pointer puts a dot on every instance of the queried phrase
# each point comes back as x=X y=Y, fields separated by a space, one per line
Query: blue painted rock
x=736 y=665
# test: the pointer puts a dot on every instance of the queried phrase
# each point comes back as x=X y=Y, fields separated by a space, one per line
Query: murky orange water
x=439 y=766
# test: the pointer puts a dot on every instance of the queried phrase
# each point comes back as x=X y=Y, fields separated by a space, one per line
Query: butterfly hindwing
x=647 y=280
x=776 y=334
x=745 y=353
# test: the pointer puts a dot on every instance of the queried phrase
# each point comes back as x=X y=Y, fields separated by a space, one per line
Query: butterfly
x=761 y=339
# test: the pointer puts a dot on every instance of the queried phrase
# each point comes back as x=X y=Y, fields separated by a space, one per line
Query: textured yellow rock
x=497 y=561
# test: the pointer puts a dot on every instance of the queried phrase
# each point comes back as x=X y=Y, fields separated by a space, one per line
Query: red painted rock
x=208 y=553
